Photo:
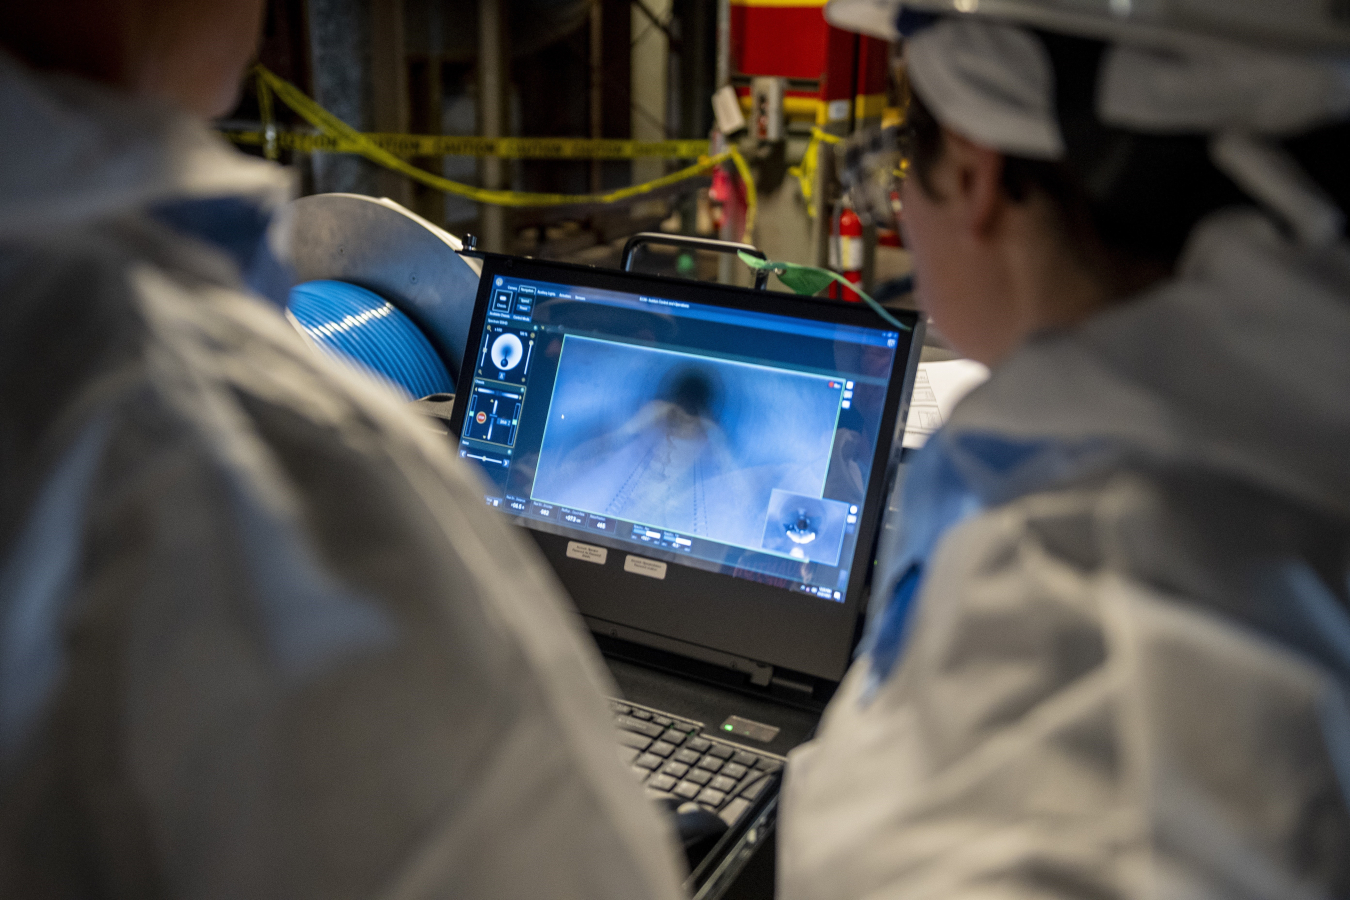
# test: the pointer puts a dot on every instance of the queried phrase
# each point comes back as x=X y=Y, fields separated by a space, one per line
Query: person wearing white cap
x=1108 y=654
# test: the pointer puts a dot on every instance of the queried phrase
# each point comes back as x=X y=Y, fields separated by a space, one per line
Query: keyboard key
x=627 y=754
x=650 y=729
x=754 y=790
x=711 y=763
x=663 y=720
x=698 y=776
x=675 y=768
x=686 y=789
x=732 y=770
x=722 y=783
x=721 y=751
x=768 y=765
x=661 y=782
x=641 y=714
x=674 y=736
x=641 y=773
x=685 y=756
x=733 y=810
x=747 y=781
x=699 y=744
x=661 y=749
x=648 y=761
x=710 y=797
x=742 y=758
x=621 y=708
x=634 y=740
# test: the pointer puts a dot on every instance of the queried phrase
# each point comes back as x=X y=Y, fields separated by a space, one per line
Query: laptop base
x=741 y=864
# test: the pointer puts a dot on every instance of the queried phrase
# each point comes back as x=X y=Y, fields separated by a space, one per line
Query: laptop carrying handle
x=691 y=243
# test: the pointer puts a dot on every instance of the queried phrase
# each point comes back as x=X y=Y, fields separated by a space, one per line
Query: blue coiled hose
x=361 y=327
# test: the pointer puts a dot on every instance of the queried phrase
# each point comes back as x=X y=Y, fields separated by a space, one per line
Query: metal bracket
x=692 y=243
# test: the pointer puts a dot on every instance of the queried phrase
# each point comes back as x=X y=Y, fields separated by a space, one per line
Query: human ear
x=977 y=176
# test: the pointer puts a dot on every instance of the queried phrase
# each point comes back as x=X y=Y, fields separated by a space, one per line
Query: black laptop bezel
x=767 y=624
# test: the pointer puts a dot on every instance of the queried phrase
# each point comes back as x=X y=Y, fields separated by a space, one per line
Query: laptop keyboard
x=675 y=760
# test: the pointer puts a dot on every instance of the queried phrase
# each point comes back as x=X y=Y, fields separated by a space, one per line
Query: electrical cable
x=362 y=328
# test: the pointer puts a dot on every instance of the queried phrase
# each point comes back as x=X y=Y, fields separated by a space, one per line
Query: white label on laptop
x=641 y=566
x=587 y=552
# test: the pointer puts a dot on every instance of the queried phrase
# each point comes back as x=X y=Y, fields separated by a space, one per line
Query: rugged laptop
x=705 y=467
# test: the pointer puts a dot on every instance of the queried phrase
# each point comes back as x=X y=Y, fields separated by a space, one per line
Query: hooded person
x=259 y=636
x=1108 y=653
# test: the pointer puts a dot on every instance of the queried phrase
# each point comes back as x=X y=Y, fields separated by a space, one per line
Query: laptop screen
x=736 y=441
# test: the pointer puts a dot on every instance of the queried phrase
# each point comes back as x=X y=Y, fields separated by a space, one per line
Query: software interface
x=734 y=441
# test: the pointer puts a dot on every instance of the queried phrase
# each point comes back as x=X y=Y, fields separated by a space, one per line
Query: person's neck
x=1057 y=282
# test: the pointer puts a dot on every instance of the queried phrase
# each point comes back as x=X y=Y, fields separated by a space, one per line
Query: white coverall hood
x=78 y=152
x=259 y=636
x=1238 y=365
x=1126 y=667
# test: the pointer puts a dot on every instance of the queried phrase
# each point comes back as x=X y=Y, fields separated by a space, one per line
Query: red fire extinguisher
x=846 y=252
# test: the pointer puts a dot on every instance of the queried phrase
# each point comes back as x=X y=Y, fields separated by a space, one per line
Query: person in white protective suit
x=1109 y=649
x=259 y=637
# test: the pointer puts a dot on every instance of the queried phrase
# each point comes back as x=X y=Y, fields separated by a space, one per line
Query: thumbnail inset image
x=680 y=442
x=806 y=528
x=505 y=355
x=507 y=352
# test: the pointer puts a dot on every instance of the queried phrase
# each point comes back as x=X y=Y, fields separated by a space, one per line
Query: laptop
x=705 y=467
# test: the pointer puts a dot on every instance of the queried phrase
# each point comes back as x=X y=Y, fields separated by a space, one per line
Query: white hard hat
x=1307 y=25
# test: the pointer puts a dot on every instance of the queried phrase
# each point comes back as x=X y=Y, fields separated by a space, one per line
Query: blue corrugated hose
x=359 y=326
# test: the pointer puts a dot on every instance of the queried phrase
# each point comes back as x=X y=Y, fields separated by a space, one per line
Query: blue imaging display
x=682 y=442
x=729 y=440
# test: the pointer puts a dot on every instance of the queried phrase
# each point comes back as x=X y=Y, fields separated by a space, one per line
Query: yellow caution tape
x=751 y=201
x=806 y=172
x=353 y=141
x=412 y=145
x=269 y=134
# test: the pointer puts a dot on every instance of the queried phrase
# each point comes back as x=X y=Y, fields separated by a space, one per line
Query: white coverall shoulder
x=258 y=635
x=1131 y=679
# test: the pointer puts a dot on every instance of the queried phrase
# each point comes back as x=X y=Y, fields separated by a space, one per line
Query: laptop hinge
x=806 y=690
x=760 y=674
